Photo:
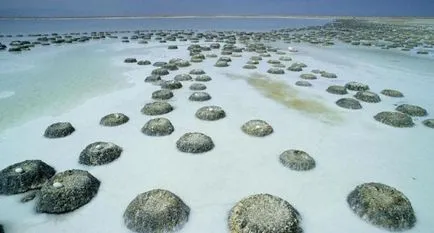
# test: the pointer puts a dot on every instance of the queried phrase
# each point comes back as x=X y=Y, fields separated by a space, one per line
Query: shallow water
x=81 y=83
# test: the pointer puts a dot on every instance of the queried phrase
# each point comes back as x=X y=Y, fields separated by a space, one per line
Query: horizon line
x=206 y=16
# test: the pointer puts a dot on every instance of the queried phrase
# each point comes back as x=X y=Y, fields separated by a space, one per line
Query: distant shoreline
x=217 y=16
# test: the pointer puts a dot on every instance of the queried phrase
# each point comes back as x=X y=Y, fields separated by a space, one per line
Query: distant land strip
x=212 y=16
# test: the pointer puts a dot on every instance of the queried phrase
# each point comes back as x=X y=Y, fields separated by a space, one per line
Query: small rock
x=349 y=103
x=356 y=86
x=338 y=90
x=171 y=84
x=199 y=96
x=297 y=160
x=59 y=130
x=367 y=96
x=162 y=94
x=99 y=153
x=194 y=143
x=114 y=119
x=210 y=113
x=412 y=110
x=395 y=119
x=79 y=188
x=158 y=127
x=392 y=93
x=156 y=108
x=258 y=128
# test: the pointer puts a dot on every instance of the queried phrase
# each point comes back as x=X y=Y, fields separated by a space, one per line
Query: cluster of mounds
x=363 y=33
x=161 y=210
x=58 y=193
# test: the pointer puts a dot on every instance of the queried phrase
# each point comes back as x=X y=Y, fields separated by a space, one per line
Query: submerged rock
x=349 y=103
x=264 y=213
x=156 y=108
x=428 y=123
x=197 y=87
x=143 y=62
x=183 y=77
x=158 y=127
x=297 y=160
x=275 y=71
x=328 y=75
x=171 y=84
x=203 y=78
x=114 y=119
x=99 y=153
x=199 y=96
x=303 y=83
x=249 y=67
x=194 y=143
x=395 y=119
x=67 y=191
x=382 y=206
x=258 y=128
x=24 y=176
x=338 y=90
x=356 y=86
x=367 y=96
x=153 y=78
x=197 y=71
x=392 y=93
x=163 y=94
x=308 y=76
x=412 y=110
x=130 y=60
x=160 y=71
x=156 y=211
x=221 y=63
x=59 y=130
x=210 y=113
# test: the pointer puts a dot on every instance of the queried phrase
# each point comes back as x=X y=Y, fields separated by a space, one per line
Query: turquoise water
x=49 y=81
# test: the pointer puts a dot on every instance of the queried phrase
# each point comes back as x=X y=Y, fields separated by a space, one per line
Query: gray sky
x=215 y=7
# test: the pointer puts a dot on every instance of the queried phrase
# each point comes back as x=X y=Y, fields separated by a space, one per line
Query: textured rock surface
x=99 y=153
x=24 y=176
x=367 y=96
x=297 y=160
x=156 y=108
x=195 y=143
x=383 y=206
x=412 y=110
x=395 y=119
x=258 y=128
x=392 y=93
x=158 y=127
x=338 y=90
x=197 y=87
x=262 y=213
x=114 y=119
x=199 y=96
x=162 y=94
x=349 y=103
x=156 y=211
x=59 y=130
x=67 y=191
x=210 y=113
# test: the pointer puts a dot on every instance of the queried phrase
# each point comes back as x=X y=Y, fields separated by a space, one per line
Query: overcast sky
x=215 y=7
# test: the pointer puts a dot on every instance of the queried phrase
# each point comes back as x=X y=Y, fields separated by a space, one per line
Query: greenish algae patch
x=283 y=93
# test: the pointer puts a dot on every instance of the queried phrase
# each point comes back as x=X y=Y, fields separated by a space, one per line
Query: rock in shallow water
x=356 y=86
x=303 y=83
x=199 y=96
x=395 y=119
x=258 y=128
x=171 y=84
x=210 y=113
x=156 y=108
x=114 y=119
x=197 y=87
x=428 y=123
x=195 y=143
x=367 y=96
x=156 y=211
x=264 y=213
x=99 y=153
x=383 y=206
x=338 y=90
x=297 y=160
x=67 y=191
x=392 y=93
x=59 y=130
x=162 y=94
x=158 y=127
x=349 y=103
x=24 y=176
x=412 y=110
